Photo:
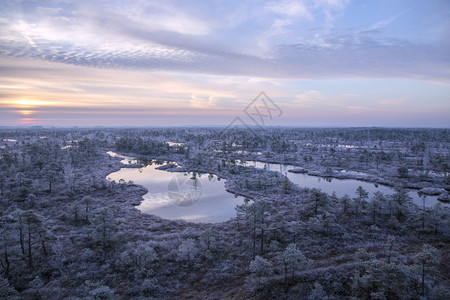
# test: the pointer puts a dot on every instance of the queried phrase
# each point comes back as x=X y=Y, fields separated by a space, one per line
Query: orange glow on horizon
x=28 y=106
x=26 y=112
x=29 y=103
x=27 y=121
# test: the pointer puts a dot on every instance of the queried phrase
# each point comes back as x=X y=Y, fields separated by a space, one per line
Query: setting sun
x=28 y=103
x=26 y=112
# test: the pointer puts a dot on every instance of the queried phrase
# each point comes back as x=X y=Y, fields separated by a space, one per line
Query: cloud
x=203 y=102
x=332 y=9
x=359 y=109
x=392 y=101
x=62 y=94
x=360 y=55
x=278 y=40
x=311 y=98
x=384 y=23
x=350 y=95
x=290 y=8
x=287 y=13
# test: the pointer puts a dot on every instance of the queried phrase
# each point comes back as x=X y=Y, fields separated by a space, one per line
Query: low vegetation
x=68 y=233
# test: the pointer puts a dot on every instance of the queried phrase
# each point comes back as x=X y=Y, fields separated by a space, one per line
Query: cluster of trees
x=68 y=232
x=408 y=155
x=148 y=147
x=374 y=278
x=322 y=226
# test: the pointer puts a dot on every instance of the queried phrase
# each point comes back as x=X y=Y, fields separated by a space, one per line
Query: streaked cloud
x=290 y=8
x=179 y=58
x=186 y=37
x=392 y=101
x=311 y=98
x=203 y=102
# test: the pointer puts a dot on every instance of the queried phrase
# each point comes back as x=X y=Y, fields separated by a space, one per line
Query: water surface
x=173 y=195
x=340 y=186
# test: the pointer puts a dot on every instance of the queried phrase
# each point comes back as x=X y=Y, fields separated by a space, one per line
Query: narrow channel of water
x=340 y=186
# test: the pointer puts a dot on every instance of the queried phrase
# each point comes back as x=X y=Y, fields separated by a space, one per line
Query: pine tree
x=361 y=196
x=291 y=260
x=260 y=270
x=427 y=260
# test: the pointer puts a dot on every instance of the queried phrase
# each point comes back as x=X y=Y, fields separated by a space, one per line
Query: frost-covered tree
x=376 y=204
x=439 y=220
x=69 y=176
x=207 y=240
x=74 y=209
x=256 y=215
x=51 y=173
x=35 y=232
x=427 y=260
x=400 y=200
x=138 y=256
x=391 y=280
x=87 y=201
x=317 y=201
x=361 y=196
x=291 y=260
x=105 y=226
x=8 y=243
x=345 y=202
x=187 y=251
x=260 y=271
x=390 y=248
x=324 y=224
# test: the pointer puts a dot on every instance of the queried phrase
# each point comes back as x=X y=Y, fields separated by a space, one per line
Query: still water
x=189 y=196
x=198 y=197
x=340 y=186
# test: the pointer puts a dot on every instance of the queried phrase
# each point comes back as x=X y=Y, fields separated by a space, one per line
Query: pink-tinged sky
x=177 y=63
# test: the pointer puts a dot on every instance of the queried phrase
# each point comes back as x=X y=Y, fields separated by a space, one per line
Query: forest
x=67 y=232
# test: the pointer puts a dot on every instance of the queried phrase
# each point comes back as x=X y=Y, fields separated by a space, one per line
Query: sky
x=194 y=63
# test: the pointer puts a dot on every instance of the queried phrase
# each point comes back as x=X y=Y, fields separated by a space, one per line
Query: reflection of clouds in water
x=214 y=205
x=155 y=200
x=184 y=190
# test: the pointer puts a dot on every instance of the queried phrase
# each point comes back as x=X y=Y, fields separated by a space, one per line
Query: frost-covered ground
x=68 y=233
